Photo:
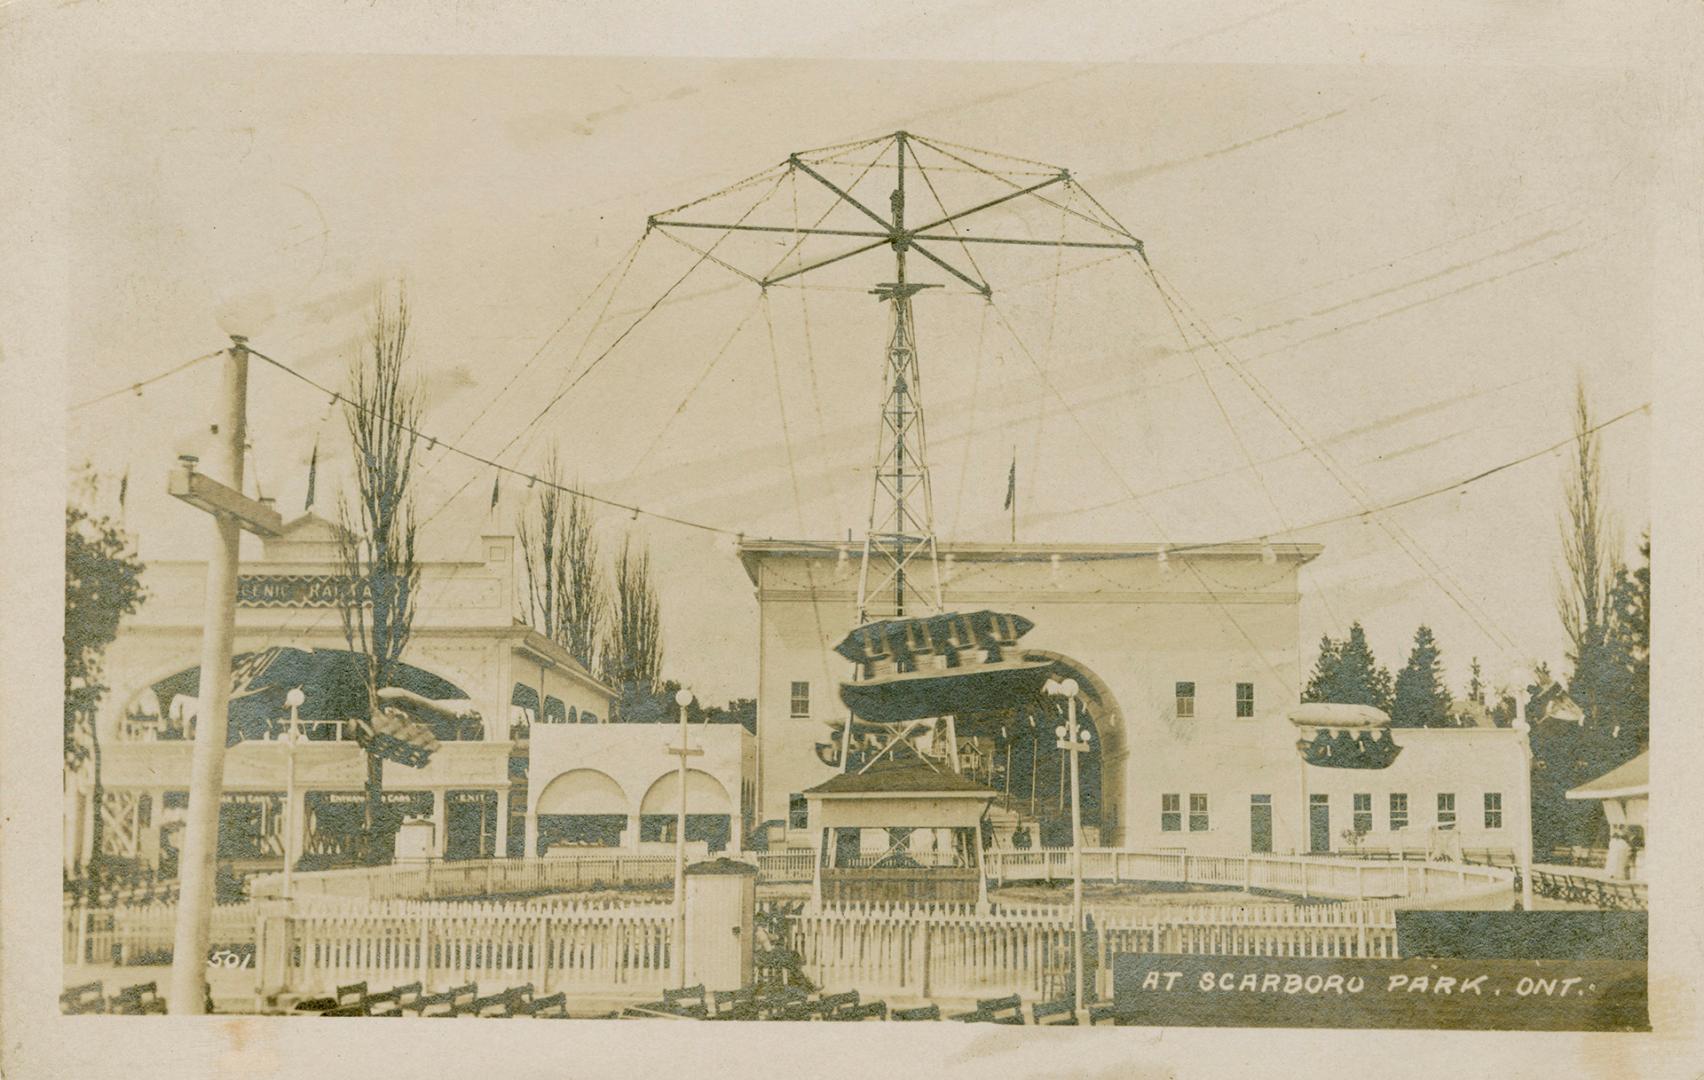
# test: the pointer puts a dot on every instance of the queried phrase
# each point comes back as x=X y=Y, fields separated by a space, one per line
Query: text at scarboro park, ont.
x=1582 y=995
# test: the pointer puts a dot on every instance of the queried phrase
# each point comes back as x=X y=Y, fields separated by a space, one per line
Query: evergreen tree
x=1629 y=647
x=1324 y=677
x=1421 y=699
x=1476 y=684
x=1347 y=673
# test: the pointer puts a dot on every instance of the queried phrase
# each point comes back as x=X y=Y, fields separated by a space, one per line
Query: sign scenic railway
x=1475 y=995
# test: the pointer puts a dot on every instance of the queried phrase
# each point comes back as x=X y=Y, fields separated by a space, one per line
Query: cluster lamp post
x=1073 y=742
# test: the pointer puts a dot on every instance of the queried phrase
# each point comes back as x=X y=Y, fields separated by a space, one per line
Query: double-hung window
x=1171 y=813
x=800 y=705
x=1398 y=811
x=1198 y=813
x=1363 y=812
x=1493 y=810
x=1185 y=700
x=1446 y=810
x=1245 y=699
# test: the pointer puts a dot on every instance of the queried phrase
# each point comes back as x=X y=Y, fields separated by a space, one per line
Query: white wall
x=634 y=758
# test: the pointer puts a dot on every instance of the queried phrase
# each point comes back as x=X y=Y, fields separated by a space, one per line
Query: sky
x=1405 y=269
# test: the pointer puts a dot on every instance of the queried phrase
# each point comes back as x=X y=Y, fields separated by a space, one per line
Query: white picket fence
x=1299 y=875
x=473 y=877
x=581 y=948
x=789 y=865
x=143 y=933
x=908 y=952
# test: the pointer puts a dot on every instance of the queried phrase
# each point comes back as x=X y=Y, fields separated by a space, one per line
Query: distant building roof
x=907 y=779
x=1630 y=778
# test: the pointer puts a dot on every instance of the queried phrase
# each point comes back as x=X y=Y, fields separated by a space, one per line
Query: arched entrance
x=581 y=807
x=1014 y=751
x=709 y=810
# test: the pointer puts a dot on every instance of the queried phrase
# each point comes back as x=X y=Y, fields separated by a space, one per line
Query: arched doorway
x=709 y=810
x=581 y=808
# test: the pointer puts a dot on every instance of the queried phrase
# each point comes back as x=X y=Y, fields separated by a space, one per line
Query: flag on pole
x=495 y=480
x=1011 y=484
x=313 y=475
x=123 y=489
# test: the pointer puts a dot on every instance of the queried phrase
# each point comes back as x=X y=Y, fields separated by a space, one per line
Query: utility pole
x=683 y=698
x=232 y=512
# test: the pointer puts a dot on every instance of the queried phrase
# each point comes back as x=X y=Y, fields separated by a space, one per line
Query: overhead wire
x=138 y=386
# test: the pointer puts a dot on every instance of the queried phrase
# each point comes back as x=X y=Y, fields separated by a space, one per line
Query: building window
x=798 y=812
x=1398 y=812
x=1198 y=813
x=1493 y=810
x=1363 y=812
x=1245 y=699
x=1185 y=700
x=801 y=703
x=1446 y=810
x=1171 y=813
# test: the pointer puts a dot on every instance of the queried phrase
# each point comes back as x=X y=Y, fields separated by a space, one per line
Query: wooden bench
x=82 y=999
x=391 y=1002
x=1060 y=1013
x=352 y=994
x=139 y=1000
x=1003 y=1010
x=734 y=1005
x=922 y=1012
x=553 y=1007
x=433 y=1004
x=1103 y=1012
x=869 y=1010
x=826 y=1006
x=354 y=1008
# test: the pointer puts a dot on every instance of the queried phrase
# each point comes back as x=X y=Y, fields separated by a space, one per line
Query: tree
x=1629 y=647
x=103 y=584
x=1347 y=673
x=1583 y=589
x=567 y=600
x=1421 y=699
x=1476 y=683
x=635 y=655
x=382 y=410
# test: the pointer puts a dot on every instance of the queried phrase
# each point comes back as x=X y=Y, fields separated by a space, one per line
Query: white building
x=1188 y=666
x=483 y=787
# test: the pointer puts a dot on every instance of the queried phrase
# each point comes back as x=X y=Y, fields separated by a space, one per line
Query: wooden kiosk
x=900 y=832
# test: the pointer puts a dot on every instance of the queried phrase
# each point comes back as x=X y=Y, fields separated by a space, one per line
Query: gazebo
x=1625 y=792
x=899 y=832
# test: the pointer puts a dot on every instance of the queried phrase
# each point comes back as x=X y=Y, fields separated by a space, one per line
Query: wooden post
x=425 y=953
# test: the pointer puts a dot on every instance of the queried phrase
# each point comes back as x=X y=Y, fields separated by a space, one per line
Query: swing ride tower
x=899 y=602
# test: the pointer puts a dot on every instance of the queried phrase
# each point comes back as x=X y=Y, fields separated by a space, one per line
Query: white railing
x=791 y=865
x=143 y=933
x=1301 y=875
x=923 y=952
x=473 y=877
x=584 y=948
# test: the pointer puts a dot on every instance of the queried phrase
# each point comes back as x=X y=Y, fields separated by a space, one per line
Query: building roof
x=907 y=779
x=1630 y=778
x=752 y=552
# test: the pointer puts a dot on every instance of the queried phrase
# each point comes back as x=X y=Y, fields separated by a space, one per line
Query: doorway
x=1260 y=823
x=1319 y=823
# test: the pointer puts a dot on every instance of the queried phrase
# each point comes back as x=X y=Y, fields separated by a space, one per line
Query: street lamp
x=683 y=698
x=294 y=700
x=1074 y=743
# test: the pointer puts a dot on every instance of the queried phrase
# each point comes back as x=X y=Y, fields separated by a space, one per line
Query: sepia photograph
x=1127 y=543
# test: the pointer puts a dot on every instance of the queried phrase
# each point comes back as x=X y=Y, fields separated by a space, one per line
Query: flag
x=495 y=480
x=1011 y=484
x=313 y=474
x=123 y=488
